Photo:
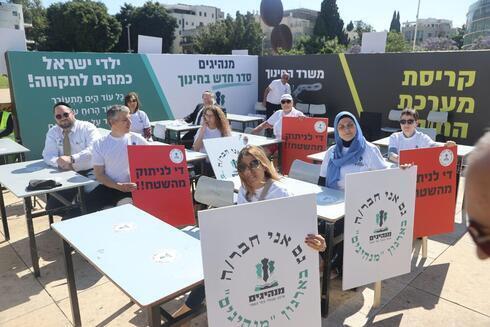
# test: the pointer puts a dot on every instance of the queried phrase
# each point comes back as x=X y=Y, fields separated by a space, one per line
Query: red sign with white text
x=435 y=202
x=160 y=172
x=302 y=136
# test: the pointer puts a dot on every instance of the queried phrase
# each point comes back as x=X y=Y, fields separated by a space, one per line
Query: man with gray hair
x=273 y=93
x=477 y=195
x=110 y=161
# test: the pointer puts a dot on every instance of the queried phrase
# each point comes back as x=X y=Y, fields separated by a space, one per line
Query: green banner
x=89 y=82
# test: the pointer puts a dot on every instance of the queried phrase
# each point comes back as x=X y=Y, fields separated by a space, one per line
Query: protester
x=214 y=124
x=409 y=137
x=68 y=146
x=273 y=93
x=110 y=161
x=139 y=119
x=477 y=196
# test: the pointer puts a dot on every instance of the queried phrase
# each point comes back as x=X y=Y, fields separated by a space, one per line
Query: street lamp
x=416 y=24
x=129 y=38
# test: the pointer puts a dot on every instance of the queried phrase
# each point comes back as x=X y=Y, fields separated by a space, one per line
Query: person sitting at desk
x=139 y=119
x=195 y=117
x=409 y=137
x=214 y=124
x=260 y=181
x=110 y=161
x=68 y=146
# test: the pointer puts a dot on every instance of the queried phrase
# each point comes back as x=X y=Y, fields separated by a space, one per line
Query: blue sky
x=378 y=13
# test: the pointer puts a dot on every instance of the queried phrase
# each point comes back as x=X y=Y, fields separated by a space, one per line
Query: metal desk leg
x=72 y=287
x=32 y=237
x=81 y=194
x=179 y=140
x=153 y=314
x=6 y=231
x=329 y=234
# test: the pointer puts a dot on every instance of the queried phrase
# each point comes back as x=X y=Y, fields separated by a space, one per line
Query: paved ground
x=449 y=288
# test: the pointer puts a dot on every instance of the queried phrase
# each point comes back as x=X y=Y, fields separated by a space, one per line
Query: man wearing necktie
x=68 y=146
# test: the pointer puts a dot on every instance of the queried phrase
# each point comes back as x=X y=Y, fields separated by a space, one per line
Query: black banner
x=455 y=82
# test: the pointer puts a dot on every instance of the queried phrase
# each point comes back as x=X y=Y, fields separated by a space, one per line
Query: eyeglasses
x=285 y=101
x=254 y=164
x=407 y=121
x=64 y=115
x=133 y=100
x=481 y=240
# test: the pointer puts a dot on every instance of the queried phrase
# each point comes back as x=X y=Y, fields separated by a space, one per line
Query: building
x=189 y=19
x=11 y=16
x=428 y=28
x=477 y=22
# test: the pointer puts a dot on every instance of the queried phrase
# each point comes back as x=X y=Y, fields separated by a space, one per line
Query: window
x=200 y=13
x=192 y=23
x=187 y=23
x=205 y=14
x=212 y=15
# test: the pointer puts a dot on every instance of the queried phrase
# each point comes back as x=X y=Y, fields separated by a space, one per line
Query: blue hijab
x=338 y=159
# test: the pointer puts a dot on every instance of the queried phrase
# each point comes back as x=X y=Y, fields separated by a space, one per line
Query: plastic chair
x=318 y=110
x=394 y=115
x=303 y=107
x=213 y=192
x=259 y=108
x=304 y=171
x=431 y=132
x=159 y=131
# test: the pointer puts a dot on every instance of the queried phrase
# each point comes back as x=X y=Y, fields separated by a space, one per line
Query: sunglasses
x=64 y=115
x=481 y=240
x=407 y=121
x=285 y=101
x=254 y=164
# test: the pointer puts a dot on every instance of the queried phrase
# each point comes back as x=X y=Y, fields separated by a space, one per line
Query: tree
x=482 y=42
x=350 y=26
x=438 y=44
x=458 y=38
x=393 y=22
x=362 y=27
x=81 y=25
x=124 y=18
x=397 y=24
x=243 y=32
x=328 y=23
x=396 y=43
x=314 y=45
x=34 y=13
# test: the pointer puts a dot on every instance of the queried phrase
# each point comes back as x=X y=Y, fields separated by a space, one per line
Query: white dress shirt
x=82 y=136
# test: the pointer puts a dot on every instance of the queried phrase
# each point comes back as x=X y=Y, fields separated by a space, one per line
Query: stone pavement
x=449 y=288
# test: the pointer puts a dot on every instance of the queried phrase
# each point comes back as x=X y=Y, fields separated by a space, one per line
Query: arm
x=107 y=181
x=393 y=155
x=264 y=100
x=190 y=118
x=198 y=140
x=83 y=159
x=259 y=128
x=9 y=128
x=50 y=152
x=316 y=242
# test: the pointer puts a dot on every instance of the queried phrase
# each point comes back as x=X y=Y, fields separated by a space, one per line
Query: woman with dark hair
x=214 y=124
x=140 y=123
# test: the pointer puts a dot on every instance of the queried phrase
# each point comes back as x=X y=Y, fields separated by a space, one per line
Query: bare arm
x=107 y=181
x=198 y=142
x=264 y=100
x=259 y=128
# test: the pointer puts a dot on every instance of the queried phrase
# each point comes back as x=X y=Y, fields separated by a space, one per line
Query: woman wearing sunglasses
x=140 y=123
x=409 y=137
x=275 y=121
x=260 y=181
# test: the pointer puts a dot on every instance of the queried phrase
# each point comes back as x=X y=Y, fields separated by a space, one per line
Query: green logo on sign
x=264 y=270
x=381 y=218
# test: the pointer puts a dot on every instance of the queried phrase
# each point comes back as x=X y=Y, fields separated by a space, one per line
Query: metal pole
x=416 y=24
x=129 y=38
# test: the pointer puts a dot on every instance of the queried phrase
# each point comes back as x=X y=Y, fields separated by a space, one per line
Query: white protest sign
x=378 y=225
x=223 y=155
x=257 y=269
x=149 y=44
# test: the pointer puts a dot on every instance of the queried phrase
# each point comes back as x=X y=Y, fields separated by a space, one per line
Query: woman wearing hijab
x=350 y=154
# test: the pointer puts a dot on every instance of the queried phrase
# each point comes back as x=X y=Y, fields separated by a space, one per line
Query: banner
x=164 y=190
x=378 y=225
x=257 y=269
x=454 y=82
x=301 y=137
x=223 y=155
x=436 y=189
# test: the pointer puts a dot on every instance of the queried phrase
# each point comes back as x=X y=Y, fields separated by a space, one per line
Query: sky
x=377 y=13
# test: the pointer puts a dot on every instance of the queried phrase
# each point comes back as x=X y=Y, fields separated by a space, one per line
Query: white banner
x=183 y=79
x=378 y=225
x=223 y=155
x=149 y=44
x=12 y=39
x=257 y=269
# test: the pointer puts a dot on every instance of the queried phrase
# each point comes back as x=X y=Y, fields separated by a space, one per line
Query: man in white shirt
x=273 y=93
x=68 y=147
x=110 y=161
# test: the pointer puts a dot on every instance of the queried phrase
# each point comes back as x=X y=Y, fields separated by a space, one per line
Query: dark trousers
x=196 y=297
x=53 y=203
x=270 y=108
x=103 y=196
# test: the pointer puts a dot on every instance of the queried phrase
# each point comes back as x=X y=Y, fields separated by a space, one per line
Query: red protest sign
x=160 y=172
x=436 y=189
x=302 y=136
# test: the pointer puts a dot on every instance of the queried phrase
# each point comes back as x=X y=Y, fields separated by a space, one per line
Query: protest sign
x=223 y=155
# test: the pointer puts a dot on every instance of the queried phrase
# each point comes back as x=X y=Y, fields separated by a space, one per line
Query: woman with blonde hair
x=214 y=125
x=140 y=123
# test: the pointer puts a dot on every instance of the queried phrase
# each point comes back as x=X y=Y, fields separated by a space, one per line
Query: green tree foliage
x=151 y=19
x=395 y=22
x=328 y=23
x=396 y=43
x=362 y=27
x=349 y=26
x=243 y=32
x=458 y=38
x=81 y=25
x=314 y=45
x=35 y=14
